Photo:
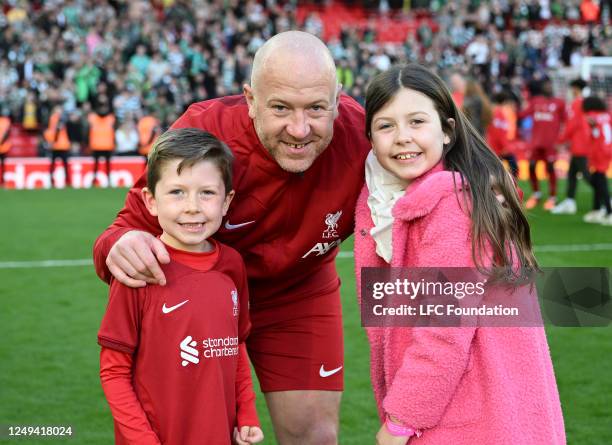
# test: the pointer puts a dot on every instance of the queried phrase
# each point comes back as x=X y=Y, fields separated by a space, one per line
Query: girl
x=447 y=385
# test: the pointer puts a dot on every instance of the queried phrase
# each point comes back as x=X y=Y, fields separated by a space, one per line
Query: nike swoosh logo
x=229 y=226
x=167 y=310
x=324 y=373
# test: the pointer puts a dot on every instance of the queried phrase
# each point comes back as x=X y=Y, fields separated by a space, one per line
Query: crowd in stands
x=71 y=68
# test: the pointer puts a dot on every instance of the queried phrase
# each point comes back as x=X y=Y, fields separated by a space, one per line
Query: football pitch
x=51 y=311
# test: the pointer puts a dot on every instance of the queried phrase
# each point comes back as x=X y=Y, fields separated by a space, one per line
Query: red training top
x=548 y=116
x=497 y=132
x=601 y=140
x=575 y=132
x=287 y=226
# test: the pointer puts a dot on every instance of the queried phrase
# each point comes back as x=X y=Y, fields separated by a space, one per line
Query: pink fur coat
x=476 y=386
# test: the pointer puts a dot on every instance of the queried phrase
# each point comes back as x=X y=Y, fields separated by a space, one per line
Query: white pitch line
x=44 y=263
x=551 y=248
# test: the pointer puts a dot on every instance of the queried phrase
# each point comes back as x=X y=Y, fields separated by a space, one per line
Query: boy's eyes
x=179 y=192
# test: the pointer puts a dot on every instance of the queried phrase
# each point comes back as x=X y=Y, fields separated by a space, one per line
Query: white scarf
x=385 y=189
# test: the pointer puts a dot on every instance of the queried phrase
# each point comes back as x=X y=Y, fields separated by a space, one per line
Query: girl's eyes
x=176 y=192
x=416 y=121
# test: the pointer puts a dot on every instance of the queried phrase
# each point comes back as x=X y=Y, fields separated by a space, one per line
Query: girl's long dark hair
x=500 y=227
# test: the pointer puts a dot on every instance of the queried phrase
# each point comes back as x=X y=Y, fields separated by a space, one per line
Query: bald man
x=300 y=150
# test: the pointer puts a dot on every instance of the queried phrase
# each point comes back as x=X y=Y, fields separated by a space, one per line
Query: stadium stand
x=163 y=55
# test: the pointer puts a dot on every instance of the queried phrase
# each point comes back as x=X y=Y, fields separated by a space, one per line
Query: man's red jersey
x=548 y=115
x=185 y=339
x=287 y=226
x=601 y=140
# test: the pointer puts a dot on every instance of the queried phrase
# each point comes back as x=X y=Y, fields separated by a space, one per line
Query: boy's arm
x=246 y=413
x=130 y=419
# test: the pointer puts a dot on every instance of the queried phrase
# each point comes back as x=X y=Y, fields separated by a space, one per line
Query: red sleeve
x=526 y=111
x=120 y=327
x=245 y=396
x=131 y=422
x=133 y=216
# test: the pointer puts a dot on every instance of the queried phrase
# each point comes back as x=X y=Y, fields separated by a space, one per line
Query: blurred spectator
x=56 y=136
x=102 y=137
x=126 y=137
x=167 y=54
x=5 y=145
x=477 y=107
x=148 y=130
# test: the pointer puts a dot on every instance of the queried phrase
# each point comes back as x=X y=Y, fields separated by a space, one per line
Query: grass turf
x=50 y=316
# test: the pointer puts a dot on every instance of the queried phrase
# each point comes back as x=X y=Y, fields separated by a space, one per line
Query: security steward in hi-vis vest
x=102 y=137
x=5 y=144
x=148 y=130
x=56 y=135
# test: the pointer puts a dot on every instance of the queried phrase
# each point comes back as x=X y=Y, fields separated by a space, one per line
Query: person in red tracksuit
x=599 y=124
x=548 y=114
x=173 y=364
x=578 y=137
x=300 y=151
x=499 y=132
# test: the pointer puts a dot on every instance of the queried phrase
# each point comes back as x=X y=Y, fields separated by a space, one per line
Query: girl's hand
x=384 y=437
x=248 y=435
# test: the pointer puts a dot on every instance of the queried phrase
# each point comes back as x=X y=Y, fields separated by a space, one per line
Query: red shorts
x=543 y=154
x=298 y=345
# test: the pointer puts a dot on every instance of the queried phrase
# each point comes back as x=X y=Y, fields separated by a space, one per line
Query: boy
x=578 y=137
x=599 y=127
x=173 y=364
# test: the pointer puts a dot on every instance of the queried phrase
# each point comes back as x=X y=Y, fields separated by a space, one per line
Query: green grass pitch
x=49 y=318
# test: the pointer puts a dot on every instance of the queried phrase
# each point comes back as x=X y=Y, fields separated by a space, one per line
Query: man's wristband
x=398 y=430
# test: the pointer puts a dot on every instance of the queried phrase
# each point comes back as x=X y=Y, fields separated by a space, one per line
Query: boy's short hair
x=192 y=146
x=594 y=103
x=578 y=83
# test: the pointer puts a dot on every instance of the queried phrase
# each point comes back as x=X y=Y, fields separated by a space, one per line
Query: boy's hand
x=248 y=435
x=135 y=257
x=384 y=437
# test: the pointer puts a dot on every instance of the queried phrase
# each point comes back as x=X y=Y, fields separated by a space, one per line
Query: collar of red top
x=202 y=261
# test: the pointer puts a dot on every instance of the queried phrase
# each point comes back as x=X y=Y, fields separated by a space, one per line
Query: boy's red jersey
x=601 y=140
x=184 y=338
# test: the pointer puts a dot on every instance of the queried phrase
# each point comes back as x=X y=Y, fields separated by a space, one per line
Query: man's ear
x=228 y=200
x=149 y=201
x=337 y=99
x=250 y=98
x=447 y=137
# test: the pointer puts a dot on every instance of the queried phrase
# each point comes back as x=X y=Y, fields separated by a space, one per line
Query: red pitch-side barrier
x=33 y=173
